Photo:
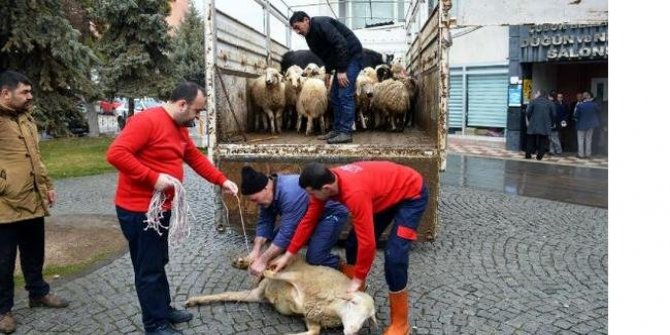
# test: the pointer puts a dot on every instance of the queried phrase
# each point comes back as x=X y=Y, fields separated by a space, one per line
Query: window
x=366 y=13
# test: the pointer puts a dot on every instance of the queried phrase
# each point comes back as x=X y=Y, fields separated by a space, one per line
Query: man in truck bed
x=341 y=50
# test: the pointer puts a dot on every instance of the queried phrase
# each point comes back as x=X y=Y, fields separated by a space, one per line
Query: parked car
x=140 y=105
x=108 y=107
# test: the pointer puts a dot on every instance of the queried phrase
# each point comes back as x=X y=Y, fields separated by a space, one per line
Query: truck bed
x=409 y=137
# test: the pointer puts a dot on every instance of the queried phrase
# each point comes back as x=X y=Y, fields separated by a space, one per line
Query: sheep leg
x=271 y=119
x=278 y=121
x=310 y=125
x=313 y=328
x=254 y=295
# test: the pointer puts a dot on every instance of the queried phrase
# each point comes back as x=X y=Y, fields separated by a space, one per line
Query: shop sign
x=564 y=42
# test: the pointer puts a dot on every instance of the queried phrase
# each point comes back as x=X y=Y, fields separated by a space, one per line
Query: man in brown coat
x=26 y=193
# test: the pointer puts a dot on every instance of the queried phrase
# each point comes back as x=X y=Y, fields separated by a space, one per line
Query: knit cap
x=252 y=181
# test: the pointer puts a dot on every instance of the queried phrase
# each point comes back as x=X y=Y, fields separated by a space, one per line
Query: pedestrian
x=341 y=51
x=148 y=153
x=399 y=198
x=540 y=114
x=562 y=108
x=26 y=193
x=586 y=119
x=558 y=123
x=280 y=196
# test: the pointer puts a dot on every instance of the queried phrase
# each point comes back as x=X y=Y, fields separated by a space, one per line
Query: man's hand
x=280 y=263
x=257 y=267
x=51 y=197
x=342 y=79
x=229 y=187
x=355 y=285
x=162 y=182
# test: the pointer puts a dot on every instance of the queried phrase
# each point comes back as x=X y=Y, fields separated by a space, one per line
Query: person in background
x=26 y=193
x=540 y=114
x=153 y=147
x=280 y=196
x=341 y=50
x=586 y=119
x=558 y=123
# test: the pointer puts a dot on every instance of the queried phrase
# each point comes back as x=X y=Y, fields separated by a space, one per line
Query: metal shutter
x=455 y=99
x=487 y=100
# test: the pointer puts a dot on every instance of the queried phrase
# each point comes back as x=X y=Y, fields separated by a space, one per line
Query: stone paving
x=501 y=264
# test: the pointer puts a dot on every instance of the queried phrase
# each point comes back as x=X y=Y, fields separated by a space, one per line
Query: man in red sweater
x=154 y=145
x=376 y=193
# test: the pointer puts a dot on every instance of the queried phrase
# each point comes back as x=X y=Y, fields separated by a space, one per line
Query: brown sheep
x=312 y=103
x=268 y=93
x=413 y=91
x=317 y=292
x=390 y=101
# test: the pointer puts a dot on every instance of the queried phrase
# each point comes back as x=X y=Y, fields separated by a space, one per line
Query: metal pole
x=268 y=39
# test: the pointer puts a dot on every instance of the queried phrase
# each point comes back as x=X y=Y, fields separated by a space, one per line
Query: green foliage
x=189 y=48
x=135 y=46
x=37 y=40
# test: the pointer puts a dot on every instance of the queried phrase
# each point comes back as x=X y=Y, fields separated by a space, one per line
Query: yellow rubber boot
x=399 y=302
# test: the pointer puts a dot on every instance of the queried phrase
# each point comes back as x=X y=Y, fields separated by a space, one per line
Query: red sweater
x=365 y=188
x=152 y=143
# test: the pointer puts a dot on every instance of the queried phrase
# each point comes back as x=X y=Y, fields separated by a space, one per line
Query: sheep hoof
x=269 y=274
x=190 y=303
x=241 y=263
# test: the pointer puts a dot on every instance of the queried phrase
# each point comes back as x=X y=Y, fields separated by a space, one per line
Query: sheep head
x=356 y=309
x=383 y=72
x=272 y=77
x=312 y=70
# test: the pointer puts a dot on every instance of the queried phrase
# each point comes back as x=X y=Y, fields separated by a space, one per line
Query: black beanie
x=252 y=181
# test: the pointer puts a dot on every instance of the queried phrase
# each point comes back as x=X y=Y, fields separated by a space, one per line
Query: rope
x=178 y=226
x=239 y=207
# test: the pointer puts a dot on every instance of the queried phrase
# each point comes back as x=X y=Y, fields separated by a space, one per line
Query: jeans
x=149 y=255
x=28 y=236
x=342 y=99
x=555 y=143
x=584 y=139
x=406 y=217
x=323 y=240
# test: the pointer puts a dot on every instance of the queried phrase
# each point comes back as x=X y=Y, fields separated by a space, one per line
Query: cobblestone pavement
x=501 y=264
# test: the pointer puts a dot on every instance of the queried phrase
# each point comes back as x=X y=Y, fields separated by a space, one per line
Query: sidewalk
x=497 y=150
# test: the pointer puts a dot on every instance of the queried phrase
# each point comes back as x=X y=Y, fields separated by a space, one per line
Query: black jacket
x=333 y=42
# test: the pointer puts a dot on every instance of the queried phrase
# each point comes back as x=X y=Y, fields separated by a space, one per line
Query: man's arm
x=339 y=43
x=362 y=223
x=306 y=225
x=200 y=164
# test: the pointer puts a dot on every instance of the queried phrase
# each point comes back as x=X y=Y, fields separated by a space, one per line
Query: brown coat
x=23 y=176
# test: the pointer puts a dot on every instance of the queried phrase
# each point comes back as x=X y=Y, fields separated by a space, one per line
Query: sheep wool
x=312 y=103
x=391 y=100
x=268 y=93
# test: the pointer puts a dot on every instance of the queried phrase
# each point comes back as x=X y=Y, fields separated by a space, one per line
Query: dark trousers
x=406 y=217
x=536 y=142
x=324 y=238
x=342 y=99
x=149 y=255
x=28 y=236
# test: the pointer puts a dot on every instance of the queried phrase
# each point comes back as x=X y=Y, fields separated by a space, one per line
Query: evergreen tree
x=37 y=40
x=189 y=48
x=135 y=48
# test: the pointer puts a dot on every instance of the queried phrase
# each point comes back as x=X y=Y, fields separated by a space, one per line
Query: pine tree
x=135 y=48
x=189 y=48
x=37 y=40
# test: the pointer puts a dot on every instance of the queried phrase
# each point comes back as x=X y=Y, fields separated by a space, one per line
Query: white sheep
x=398 y=68
x=293 y=85
x=365 y=82
x=390 y=101
x=312 y=103
x=317 y=292
x=268 y=93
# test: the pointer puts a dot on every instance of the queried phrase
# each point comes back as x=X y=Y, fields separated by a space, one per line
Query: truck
x=237 y=53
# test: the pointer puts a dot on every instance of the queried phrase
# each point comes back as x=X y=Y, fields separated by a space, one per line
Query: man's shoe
x=327 y=136
x=7 y=323
x=340 y=138
x=177 y=316
x=50 y=300
x=165 y=329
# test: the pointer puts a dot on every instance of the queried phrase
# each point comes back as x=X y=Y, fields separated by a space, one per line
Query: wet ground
x=503 y=262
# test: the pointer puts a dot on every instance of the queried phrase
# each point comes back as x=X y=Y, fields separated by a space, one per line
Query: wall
x=544 y=77
x=487 y=45
x=513 y=12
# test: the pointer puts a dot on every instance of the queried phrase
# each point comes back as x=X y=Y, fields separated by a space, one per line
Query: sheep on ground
x=293 y=75
x=317 y=292
x=268 y=93
x=365 y=82
x=312 y=103
x=390 y=101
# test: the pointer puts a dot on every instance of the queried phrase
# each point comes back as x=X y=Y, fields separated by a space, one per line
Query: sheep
x=398 y=68
x=314 y=71
x=268 y=93
x=413 y=91
x=317 y=292
x=383 y=72
x=312 y=103
x=390 y=100
x=365 y=82
x=300 y=58
x=293 y=85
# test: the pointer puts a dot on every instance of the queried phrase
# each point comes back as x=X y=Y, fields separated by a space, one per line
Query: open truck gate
x=236 y=53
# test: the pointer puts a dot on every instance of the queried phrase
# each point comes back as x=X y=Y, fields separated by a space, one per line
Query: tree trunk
x=92 y=118
x=131 y=106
